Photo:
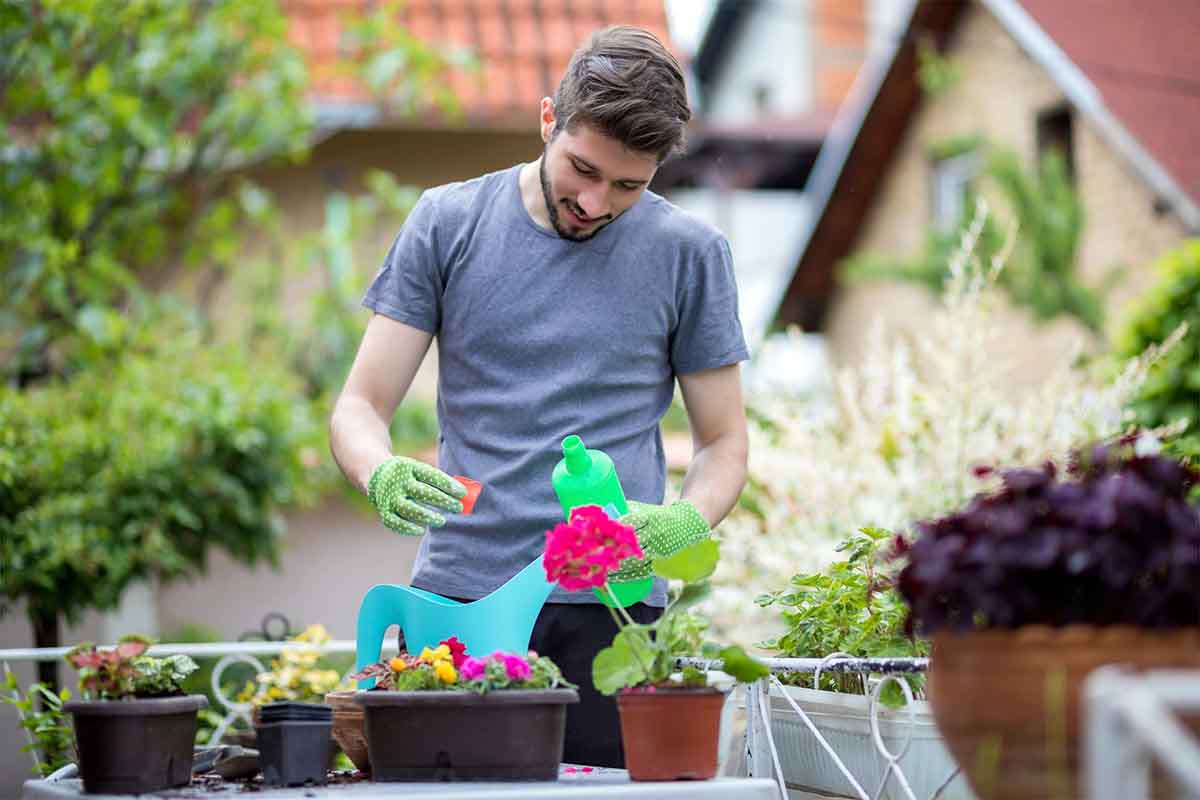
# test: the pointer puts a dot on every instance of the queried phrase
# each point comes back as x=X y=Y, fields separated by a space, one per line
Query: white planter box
x=844 y=720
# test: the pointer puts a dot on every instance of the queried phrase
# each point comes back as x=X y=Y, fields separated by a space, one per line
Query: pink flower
x=581 y=552
x=514 y=665
x=472 y=668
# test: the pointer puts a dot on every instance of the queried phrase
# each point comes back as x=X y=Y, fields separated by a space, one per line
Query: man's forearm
x=716 y=476
x=359 y=439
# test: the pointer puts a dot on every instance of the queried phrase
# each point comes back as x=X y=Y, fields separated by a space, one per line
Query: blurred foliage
x=39 y=709
x=1041 y=271
x=119 y=122
x=936 y=73
x=133 y=434
x=137 y=466
x=1172 y=389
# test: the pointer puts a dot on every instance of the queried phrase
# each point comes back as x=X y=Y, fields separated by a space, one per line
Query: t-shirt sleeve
x=709 y=332
x=408 y=287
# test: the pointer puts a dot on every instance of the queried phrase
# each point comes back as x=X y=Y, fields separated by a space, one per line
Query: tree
x=131 y=438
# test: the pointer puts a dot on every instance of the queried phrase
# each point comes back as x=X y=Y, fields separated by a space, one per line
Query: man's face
x=589 y=179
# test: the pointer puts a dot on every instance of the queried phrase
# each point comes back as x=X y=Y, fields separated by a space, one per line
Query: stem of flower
x=633 y=648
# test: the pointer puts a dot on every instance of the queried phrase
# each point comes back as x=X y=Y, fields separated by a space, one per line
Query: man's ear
x=547 y=119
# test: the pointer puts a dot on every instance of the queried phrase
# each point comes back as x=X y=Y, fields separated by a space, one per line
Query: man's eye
x=629 y=187
x=582 y=170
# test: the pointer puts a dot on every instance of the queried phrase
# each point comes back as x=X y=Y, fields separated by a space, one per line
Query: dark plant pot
x=294 y=747
x=135 y=746
x=1007 y=702
x=671 y=734
x=508 y=735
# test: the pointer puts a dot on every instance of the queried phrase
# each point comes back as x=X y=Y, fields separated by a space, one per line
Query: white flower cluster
x=898 y=441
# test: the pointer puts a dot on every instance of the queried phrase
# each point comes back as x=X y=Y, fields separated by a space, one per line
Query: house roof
x=522 y=48
x=1132 y=70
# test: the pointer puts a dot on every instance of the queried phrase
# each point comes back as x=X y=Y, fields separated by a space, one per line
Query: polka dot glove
x=662 y=531
x=401 y=487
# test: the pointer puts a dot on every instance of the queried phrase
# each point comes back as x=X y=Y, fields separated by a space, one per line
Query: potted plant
x=134 y=729
x=852 y=609
x=670 y=720
x=1029 y=588
x=444 y=715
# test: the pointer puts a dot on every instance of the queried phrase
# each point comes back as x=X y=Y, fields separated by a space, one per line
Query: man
x=566 y=298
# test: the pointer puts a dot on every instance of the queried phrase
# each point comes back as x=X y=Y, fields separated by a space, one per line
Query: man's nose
x=594 y=203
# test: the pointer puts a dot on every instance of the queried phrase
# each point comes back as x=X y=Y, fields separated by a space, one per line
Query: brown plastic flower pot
x=506 y=735
x=671 y=734
x=135 y=746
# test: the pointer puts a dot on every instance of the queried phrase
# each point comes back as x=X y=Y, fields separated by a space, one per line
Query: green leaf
x=617 y=667
x=691 y=564
x=743 y=667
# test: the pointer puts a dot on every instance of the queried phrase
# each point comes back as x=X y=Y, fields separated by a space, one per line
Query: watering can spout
x=503 y=620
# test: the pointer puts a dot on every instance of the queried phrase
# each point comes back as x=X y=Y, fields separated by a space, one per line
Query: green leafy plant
x=850 y=608
x=1041 y=272
x=448 y=667
x=1171 y=392
x=582 y=552
x=124 y=671
x=41 y=716
x=139 y=467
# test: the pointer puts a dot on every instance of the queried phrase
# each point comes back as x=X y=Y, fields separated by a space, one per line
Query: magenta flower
x=472 y=668
x=516 y=667
x=581 y=552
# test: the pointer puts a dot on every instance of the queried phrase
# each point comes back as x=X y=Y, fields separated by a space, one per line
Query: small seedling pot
x=505 y=735
x=294 y=743
x=135 y=746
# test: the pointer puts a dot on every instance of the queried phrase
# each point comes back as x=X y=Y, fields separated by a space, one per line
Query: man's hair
x=624 y=83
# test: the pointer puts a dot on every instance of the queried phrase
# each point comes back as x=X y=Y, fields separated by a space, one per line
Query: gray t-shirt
x=540 y=337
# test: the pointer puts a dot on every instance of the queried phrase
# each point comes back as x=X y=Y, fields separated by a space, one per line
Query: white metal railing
x=1130 y=722
x=762 y=754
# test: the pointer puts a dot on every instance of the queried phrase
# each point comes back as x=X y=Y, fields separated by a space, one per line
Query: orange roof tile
x=521 y=46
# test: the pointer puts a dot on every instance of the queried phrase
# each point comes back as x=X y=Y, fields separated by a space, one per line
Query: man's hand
x=662 y=531
x=400 y=485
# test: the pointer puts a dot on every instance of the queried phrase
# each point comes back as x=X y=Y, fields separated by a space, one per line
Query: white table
x=600 y=784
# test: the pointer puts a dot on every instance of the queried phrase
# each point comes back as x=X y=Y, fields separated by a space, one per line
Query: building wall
x=998 y=95
x=769 y=68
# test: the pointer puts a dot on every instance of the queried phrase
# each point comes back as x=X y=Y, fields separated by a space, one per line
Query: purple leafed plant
x=1114 y=543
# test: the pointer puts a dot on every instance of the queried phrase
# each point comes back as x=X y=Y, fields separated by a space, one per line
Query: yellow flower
x=398 y=664
x=442 y=652
x=274 y=692
x=445 y=672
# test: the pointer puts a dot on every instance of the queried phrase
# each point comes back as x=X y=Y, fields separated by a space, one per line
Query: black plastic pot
x=508 y=735
x=294 y=743
x=135 y=746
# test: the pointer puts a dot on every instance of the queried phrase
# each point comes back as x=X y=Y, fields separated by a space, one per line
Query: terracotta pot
x=671 y=734
x=349 y=728
x=1008 y=702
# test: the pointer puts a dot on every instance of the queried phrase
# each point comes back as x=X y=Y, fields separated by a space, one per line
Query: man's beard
x=552 y=210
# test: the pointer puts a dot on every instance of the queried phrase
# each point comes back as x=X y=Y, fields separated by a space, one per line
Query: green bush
x=1172 y=388
x=137 y=464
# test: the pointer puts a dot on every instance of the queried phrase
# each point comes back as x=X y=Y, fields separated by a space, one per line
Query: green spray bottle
x=588 y=477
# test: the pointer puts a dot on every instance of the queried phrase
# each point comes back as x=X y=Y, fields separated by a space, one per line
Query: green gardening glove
x=662 y=531
x=400 y=485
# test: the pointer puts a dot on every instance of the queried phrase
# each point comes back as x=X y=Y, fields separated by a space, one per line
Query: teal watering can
x=501 y=621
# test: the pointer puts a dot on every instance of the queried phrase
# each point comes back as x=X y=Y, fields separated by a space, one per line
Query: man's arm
x=720 y=443
x=380 y=377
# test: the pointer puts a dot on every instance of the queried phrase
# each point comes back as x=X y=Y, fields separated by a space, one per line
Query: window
x=1054 y=133
x=952 y=177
